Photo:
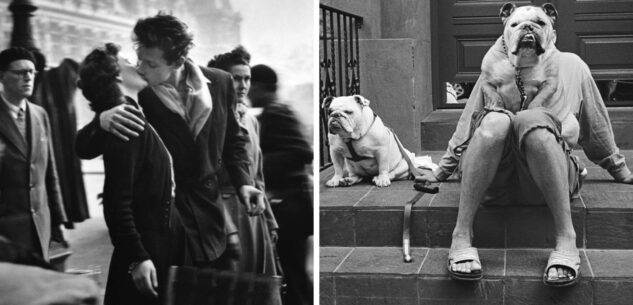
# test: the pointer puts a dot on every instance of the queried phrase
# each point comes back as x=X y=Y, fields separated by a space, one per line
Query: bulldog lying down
x=362 y=146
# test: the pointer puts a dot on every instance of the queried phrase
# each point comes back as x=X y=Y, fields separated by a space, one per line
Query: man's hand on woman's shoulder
x=123 y=121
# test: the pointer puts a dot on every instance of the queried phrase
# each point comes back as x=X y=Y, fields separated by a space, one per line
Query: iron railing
x=339 y=72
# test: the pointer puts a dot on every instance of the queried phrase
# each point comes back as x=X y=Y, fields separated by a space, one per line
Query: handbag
x=202 y=286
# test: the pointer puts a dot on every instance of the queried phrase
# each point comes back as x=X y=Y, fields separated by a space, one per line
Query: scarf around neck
x=196 y=109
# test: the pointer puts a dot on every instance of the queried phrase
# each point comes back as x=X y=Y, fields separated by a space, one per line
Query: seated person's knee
x=494 y=127
x=526 y=117
x=538 y=137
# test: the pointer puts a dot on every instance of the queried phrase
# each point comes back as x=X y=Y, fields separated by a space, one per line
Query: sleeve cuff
x=440 y=174
x=240 y=176
x=616 y=166
x=620 y=173
x=134 y=249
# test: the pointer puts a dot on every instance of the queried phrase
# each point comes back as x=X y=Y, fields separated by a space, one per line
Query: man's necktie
x=21 y=122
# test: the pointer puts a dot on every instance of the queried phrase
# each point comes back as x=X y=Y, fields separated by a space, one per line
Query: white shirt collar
x=13 y=109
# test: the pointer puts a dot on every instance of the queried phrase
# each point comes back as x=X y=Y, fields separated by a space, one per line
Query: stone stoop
x=378 y=275
x=361 y=235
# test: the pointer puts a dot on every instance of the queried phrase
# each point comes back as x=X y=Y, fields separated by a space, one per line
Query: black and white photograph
x=475 y=152
x=299 y=152
x=157 y=152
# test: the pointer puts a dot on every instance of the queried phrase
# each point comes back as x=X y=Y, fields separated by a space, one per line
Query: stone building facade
x=71 y=28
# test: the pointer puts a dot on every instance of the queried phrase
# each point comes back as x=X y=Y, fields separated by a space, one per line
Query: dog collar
x=517 y=74
x=370 y=125
x=355 y=156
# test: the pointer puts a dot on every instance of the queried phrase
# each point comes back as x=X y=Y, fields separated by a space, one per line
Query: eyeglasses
x=24 y=72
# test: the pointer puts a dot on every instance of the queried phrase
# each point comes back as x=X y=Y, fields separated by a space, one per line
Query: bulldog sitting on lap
x=361 y=145
x=520 y=71
x=517 y=70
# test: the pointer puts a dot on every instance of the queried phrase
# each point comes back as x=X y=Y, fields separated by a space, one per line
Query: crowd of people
x=192 y=177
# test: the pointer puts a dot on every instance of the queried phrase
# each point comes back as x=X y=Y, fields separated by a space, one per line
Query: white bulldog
x=523 y=61
x=526 y=48
x=361 y=145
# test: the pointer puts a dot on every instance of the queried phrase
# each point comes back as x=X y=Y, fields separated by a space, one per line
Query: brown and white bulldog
x=520 y=62
x=361 y=145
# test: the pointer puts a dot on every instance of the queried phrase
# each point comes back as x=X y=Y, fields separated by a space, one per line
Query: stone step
x=365 y=215
x=378 y=275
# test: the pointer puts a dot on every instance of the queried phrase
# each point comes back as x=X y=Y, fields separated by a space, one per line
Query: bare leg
x=547 y=164
x=479 y=167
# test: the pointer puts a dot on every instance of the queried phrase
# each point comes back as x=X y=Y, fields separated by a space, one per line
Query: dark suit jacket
x=137 y=199
x=197 y=162
x=286 y=155
x=30 y=197
x=285 y=149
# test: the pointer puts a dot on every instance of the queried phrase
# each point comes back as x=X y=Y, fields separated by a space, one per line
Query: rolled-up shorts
x=513 y=181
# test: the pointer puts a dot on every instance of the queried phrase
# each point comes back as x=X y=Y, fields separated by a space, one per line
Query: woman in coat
x=257 y=234
x=137 y=193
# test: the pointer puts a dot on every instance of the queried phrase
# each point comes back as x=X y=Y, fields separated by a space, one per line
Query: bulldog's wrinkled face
x=529 y=30
x=344 y=114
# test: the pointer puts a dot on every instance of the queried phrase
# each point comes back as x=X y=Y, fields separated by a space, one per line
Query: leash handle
x=426 y=188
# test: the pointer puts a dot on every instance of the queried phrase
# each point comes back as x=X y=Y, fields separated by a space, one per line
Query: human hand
x=123 y=121
x=233 y=252
x=144 y=278
x=253 y=199
x=274 y=236
x=427 y=176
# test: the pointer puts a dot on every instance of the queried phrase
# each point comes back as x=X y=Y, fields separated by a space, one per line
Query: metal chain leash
x=517 y=76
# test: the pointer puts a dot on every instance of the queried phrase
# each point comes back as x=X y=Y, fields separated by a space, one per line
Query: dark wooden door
x=599 y=31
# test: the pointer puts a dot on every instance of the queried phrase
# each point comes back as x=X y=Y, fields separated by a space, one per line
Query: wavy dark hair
x=98 y=78
x=165 y=32
x=238 y=56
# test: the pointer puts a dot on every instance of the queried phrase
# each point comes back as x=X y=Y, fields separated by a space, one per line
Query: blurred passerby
x=31 y=197
x=287 y=154
x=25 y=278
x=25 y=285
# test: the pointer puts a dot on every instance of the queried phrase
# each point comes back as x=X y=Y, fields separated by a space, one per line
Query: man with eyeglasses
x=30 y=197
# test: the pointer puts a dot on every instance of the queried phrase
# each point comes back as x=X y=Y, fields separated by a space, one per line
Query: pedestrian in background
x=257 y=234
x=30 y=201
x=287 y=163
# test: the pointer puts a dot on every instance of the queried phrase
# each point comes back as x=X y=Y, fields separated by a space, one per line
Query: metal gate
x=339 y=68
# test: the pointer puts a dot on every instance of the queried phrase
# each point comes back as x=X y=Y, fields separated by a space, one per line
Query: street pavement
x=89 y=240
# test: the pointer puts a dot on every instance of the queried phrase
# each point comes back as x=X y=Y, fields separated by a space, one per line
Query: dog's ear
x=326 y=102
x=361 y=100
x=550 y=10
x=506 y=11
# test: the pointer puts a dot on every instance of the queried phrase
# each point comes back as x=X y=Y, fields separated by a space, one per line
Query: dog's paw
x=336 y=181
x=382 y=180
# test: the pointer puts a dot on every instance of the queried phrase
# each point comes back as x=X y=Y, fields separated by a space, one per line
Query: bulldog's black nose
x=528 y=27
